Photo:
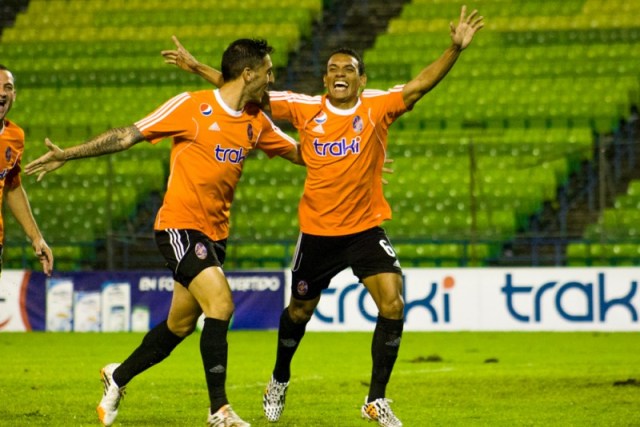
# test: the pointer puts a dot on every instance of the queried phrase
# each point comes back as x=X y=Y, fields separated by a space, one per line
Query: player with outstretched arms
x=343 y=137
x=212 y=132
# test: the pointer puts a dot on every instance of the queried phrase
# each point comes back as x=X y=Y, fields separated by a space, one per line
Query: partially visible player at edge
x=11 y=189
x=212 y=131
x=343 y=138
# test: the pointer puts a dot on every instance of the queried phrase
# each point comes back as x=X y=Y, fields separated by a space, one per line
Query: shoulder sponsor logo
x=206 y=109
x=321 y=118
x=7 y=154
x=249 y=131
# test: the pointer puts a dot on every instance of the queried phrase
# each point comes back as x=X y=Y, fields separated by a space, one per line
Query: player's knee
x=182 y=329
x=220 y=310
x=300 y=314
x=392 y=309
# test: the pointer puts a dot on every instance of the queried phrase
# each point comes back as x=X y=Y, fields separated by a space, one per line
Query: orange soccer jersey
x=210 y=144
x=344 y=151
x=11 y=148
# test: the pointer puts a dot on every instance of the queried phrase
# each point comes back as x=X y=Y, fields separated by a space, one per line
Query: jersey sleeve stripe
x=294 y=97
x=163 y=111
x=280 y=132
x=370 y=93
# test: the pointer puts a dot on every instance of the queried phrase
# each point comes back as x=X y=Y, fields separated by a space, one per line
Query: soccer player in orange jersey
x=343 y=137
x=11 y=148
x=212 y=131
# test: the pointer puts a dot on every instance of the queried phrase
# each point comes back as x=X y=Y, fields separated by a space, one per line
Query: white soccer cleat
x=108 y=407
x=273 y=399
x=226 y=417
x=380 y=411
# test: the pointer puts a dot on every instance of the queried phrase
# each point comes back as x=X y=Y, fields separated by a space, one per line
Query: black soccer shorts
x=188 y=252
x=319 y=258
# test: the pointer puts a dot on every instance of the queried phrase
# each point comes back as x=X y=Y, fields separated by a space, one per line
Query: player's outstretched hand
x=44 y=254
x=180 y=57
x=48 y=162
x=462 y=35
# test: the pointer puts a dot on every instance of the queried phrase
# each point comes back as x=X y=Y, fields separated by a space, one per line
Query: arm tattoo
x=111 y=141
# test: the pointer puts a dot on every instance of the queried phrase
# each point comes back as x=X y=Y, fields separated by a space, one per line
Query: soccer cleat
x=108 y=407
x=380 y=411
x=226 y=417
x=273 y=399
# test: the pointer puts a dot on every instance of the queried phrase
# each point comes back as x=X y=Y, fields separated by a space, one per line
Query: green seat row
x=603 y=254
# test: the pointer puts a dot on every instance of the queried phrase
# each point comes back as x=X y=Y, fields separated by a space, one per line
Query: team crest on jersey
x=206 y=109
x=302 y=287
x=7 y=154
x=201 y=250
x=321 y=118
x=357 y=124
x=250 y=131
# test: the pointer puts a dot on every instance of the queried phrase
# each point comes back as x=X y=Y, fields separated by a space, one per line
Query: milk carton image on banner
x=116 y=307
x=59 y=305
x=86 y=311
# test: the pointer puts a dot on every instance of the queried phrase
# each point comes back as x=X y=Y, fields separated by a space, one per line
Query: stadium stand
x=517 y=115
x=478 y=162
x=83 y=67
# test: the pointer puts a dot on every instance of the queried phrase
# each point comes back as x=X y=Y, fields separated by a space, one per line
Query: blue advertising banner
x=127 y=301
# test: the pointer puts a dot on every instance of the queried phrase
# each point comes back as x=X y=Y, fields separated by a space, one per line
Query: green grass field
x=440 y=379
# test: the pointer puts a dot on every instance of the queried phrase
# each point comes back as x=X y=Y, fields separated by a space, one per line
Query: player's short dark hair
x=241 y=54
x=352 y=53
x=5 y=68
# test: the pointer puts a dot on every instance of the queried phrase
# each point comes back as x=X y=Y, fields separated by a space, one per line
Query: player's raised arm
x=429 y=77
x=183 y=59
x=111 y=141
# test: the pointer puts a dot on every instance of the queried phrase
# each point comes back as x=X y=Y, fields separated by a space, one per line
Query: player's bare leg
x=155 y=347
x=386 y=291
x=211 y=289
x=293 y=322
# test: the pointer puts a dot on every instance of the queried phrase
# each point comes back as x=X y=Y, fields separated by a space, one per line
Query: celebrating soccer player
x=11 y=148
x=343 y=137
x=212 y=133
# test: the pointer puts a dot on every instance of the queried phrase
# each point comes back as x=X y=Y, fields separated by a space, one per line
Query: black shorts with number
x=319 y=258
x=188 y=252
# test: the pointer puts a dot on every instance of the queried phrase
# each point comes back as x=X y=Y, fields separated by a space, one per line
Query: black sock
x=384 y=352
x=289 y=336
x=156 y=345
x=214 y=350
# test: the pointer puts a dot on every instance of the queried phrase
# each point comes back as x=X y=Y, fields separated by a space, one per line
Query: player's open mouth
x=341 y=85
